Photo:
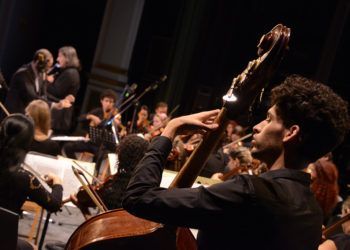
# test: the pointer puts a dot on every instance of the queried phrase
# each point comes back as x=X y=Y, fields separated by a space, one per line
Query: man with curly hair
x=130 y=151
x=275 y=210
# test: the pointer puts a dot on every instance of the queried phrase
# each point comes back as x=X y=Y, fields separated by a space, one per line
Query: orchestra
x=270 y=167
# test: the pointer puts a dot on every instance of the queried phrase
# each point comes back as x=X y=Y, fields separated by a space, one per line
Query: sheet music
x=69 y=138
x=60 y=166
x=113 y=163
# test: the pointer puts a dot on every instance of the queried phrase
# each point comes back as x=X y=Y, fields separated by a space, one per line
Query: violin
x=255 y=168
x=83 y=198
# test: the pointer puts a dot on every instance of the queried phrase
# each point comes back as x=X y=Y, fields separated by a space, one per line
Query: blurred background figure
x=324 y=176
x=64 y=85
x=28 y=83
x=240 y=161
x=3 y=87
x=229 y=132
x=40 y=112
x=142 y=123
x=340 y=241
x=160 y=108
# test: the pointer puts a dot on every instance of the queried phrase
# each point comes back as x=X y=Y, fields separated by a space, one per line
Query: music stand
x=106 y=142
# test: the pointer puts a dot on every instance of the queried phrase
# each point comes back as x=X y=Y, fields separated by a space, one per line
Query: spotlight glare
x=229 y=98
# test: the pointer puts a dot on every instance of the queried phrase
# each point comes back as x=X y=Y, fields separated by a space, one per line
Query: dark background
x=199 y=44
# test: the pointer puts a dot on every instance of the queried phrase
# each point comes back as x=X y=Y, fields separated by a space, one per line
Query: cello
x=117 y=229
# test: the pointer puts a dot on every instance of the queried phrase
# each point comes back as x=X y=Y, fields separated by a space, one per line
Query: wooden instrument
x=329 y=230
x=118 y=229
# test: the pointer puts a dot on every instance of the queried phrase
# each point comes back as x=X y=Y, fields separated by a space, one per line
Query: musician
x=158 y=123
x=17 y=184
x=229 y=132
x=28 y=84
x=238 y=157
x=339 y=241
x=94 y=118
x=275 y=210
x=324 y=176
x=160 y=108
x=65 y=86
x=39 y=111
x=142 y=124
x=130 y=151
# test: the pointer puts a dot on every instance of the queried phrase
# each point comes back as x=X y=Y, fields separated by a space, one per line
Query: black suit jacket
x=22 y=90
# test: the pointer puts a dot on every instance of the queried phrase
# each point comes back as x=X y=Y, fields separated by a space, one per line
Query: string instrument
x=157 y=130
x=118 y=229
x=85 y=201
x=181 y=148
x=253 y=169
x=329 y=230
x=143 y=125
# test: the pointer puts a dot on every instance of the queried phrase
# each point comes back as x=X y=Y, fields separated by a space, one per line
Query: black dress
x=48 y=147
x=67 y=83
x=19 y=185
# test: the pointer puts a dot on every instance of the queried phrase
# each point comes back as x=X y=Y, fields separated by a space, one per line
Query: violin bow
x=87 y=187
x=4 y=109
x=238 y=140
x=84 y=170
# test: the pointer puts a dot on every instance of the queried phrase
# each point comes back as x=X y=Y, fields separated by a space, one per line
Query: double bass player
x=275 y=210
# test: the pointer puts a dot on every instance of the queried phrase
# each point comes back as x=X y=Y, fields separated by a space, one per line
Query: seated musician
x=142 y=124
x=339 y=241
x=96 y=117
x=16 y=183
x=39 y=111
x=158 y=123
x=160 y=108
x=240 y=159
x=275 y=210
x=324 y=176
x=130 y=151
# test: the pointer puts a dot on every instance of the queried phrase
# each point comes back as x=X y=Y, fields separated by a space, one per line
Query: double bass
x=117 y=229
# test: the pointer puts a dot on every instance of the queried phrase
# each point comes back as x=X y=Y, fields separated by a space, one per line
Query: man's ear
x=292 y=134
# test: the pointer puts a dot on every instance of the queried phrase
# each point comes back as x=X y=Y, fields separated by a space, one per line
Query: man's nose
x=257 y=128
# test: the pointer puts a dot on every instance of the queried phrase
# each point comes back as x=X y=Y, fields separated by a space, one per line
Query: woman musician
x=16 y=183
x=142 y=124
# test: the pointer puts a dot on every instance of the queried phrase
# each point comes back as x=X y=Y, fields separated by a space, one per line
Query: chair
x=8 y=229
x=38 y=212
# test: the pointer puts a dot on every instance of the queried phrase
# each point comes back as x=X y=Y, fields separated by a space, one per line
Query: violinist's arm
x=94 y=119
x=49 y=200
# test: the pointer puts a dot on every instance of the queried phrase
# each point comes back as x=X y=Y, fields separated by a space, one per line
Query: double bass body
x=117 y=229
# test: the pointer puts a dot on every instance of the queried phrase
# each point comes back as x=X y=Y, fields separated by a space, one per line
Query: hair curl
x=320 y=113
x=325 y=185
x=109 y=93
x=130 y=151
